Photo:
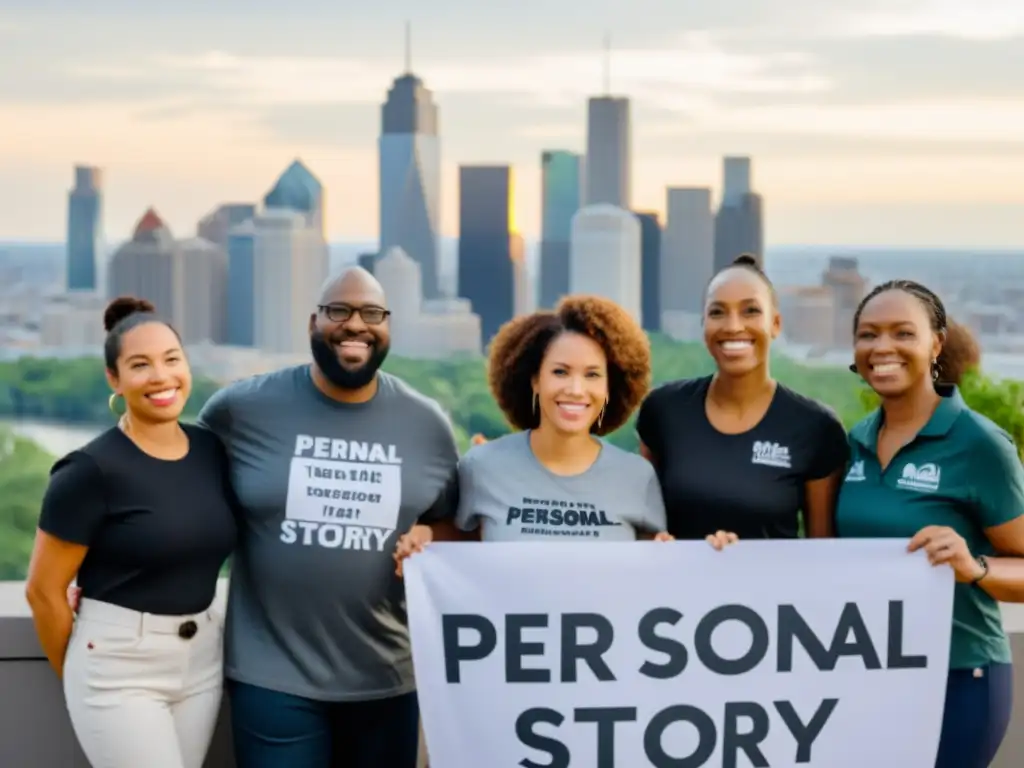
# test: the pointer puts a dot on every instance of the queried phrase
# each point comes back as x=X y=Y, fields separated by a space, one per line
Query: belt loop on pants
x=185 y=627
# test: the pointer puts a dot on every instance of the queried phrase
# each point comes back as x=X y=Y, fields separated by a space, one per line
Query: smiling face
x=895 y=344
x=350 y=334
x=152 y=373
x=572 y=384
x=740 y=321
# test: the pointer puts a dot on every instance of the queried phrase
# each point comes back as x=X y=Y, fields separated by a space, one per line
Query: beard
x=326 y=358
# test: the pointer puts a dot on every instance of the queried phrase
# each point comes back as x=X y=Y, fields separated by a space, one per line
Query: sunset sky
x=897 y=122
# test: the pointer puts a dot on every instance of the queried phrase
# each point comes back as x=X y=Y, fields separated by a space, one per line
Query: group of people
x=319 y=480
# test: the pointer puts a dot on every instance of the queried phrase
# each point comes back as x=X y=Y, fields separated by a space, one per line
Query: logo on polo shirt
x=856 y=473
x=771 y=454
x=923 y=478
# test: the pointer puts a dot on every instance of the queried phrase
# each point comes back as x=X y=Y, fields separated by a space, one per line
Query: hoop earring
x=935 y=369
x=536 y=400
x=600 y=416
x=112 y=404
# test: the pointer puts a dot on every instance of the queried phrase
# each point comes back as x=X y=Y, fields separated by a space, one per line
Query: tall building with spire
x=410 y=174
x=609 y=146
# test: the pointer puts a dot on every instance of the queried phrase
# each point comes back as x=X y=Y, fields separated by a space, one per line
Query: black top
x=750 y=483
x=158 y=531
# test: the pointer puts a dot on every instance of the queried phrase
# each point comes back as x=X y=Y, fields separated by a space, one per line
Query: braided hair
x=960 y=351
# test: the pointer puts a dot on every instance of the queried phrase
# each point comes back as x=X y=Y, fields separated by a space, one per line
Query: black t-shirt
x=158 y=531
x=750 y=483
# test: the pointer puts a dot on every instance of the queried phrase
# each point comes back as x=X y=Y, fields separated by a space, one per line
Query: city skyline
x=869 y=123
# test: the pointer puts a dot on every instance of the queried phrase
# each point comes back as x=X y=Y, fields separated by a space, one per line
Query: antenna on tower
x=607 y=64
x=408 y=47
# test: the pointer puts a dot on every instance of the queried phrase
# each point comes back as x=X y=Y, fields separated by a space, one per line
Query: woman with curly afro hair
x=564 y=379
x=928 y=468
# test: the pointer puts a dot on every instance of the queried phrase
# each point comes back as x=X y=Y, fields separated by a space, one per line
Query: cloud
x=924 y=121
x=552 y=131
x=977 y=20
x=697 y=65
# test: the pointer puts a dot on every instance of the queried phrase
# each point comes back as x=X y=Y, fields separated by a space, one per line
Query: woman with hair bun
x=564 y=379
x=143 y=517
x=928 y=468
x=737 y=450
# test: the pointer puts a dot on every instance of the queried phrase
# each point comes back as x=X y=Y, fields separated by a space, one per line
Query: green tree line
x=76 y=392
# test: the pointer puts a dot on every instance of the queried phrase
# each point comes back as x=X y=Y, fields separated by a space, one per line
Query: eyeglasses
x=340 y=313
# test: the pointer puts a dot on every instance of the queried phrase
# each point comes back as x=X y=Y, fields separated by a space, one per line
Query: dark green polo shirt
x=961 y=471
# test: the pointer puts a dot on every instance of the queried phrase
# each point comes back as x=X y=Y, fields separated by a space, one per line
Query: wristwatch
x=983 y=562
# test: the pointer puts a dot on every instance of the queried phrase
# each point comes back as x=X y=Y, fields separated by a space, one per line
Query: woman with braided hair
x=926 y=467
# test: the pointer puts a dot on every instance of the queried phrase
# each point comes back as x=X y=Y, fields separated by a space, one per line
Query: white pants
x=140 y=692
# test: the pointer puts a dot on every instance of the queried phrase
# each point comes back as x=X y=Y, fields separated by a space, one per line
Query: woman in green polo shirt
x=926 y=467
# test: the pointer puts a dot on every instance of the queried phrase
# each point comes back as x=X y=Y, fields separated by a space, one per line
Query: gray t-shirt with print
x=504 y=489
x=325 y=490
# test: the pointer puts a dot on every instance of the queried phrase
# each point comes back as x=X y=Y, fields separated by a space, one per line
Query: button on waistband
x=188 y=630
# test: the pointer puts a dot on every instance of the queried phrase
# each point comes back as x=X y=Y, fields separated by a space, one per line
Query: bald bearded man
x=331 y=462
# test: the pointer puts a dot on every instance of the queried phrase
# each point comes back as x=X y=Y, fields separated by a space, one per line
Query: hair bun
x=122 y=307
x=746 y=260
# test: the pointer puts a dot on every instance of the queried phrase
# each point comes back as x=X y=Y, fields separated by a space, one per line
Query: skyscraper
x=560 y=199
x=144 y=266
x=289 y=267
x=241 y=290
x=848 y=287
x=410 y=175
x=736 y=179
x=185 y=280
x=204 y=284
x=605 y=255
x=739 y=223
x=216 y=225
x=368 y=261
x=650 y=270
x=297 y=189
x=609 y=142
x=85 y=257
x=687 y=250
x=488 y=244
x=401 y=278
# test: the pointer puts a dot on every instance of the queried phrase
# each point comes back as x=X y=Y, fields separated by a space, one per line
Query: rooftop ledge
x=35 y=730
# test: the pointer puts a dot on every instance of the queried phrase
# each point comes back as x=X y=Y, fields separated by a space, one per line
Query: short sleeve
x=446 y=452
x=465 y=518
x=654 y=506
x=74 y=505
x=831 y=449
x=447 y=503
x=649 y=421
x=999 y=493
x=215 y=414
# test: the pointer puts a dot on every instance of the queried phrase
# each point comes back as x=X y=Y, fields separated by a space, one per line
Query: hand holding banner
x=623 y=655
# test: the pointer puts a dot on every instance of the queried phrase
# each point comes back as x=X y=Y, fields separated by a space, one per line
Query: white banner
x=829 y=654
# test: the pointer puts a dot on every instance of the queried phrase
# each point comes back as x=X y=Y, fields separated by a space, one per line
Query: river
x=54 y=437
